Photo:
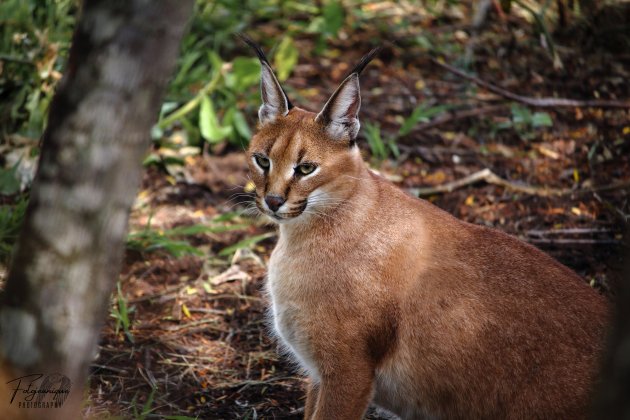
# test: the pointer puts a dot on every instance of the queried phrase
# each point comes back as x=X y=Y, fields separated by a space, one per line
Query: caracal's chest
x=288 y=277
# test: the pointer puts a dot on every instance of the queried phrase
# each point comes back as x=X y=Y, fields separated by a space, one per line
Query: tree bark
x=71 y=245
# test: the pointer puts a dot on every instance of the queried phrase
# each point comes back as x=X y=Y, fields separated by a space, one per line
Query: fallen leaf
x=185 y=310
x=233 y=273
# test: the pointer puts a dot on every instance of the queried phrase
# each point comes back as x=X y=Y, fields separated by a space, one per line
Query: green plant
x=149 y=239
x=539 y=17
x=421 y=114
x=384 y=146
x=146 y=408
x=524 y=122
x=9 y=182
x=34 y=39
x=11 y=218
x=380 y=148
x=120 y=312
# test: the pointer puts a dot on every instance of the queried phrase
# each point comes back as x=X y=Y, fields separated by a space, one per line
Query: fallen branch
x=544 y=241
x=569 y=231
x=536 y=102
x=490 y=177
x=451 y=116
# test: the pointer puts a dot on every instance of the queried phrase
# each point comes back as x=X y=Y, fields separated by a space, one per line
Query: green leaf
x=175 y=248
x=375 y=141
x=541 y=119
x=286 y=58
x=241 y=126
x=209 y=125
x=421 y=114
x=334 y=15
x=167 y=108
x=226 y=217
x=245 y=243
x=521 y=115
x=185 y=64
x=9 y=182
x=197 y=229
x=245 y=73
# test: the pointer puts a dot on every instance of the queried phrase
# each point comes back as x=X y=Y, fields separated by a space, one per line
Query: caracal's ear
x=274 y=101
x=340 y=115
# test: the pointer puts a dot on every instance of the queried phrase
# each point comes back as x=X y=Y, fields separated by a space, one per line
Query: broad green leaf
x=186 y=63
x=541 y=119
x=521 y=115
x=245 y=73
x=334 y=15
x=286 y=58
x=240 y=124
x=167 y=108
x=241 y=133
x=9 y=183
x=209 y=125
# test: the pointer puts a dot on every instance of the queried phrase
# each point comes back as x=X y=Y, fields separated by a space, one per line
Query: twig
x=448 y=116
x=232 y=296
x=160 y=294
x=536 y=102
x=491 y=178
x=573 y=241
x=104 y=367
x=192 y=324
x=569 y=231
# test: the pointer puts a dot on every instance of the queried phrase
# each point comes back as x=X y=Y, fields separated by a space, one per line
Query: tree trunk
x=71 y=245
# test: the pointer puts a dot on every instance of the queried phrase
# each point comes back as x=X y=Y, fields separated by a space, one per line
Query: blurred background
x=186 y=334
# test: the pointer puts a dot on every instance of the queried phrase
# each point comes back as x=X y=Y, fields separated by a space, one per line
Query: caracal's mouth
x=294 y=210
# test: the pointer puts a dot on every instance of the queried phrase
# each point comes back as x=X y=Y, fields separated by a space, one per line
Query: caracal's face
x=298 y=170
x=301 y=162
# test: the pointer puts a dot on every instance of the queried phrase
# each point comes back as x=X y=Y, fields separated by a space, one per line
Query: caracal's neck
x=354 y=193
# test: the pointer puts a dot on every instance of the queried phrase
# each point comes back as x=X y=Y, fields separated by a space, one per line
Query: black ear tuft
x=365 y=61
x=262 y=57
x=253 y=45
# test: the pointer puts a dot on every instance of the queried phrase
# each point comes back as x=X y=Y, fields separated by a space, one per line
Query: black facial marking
x=286 y=190
x=301 y=154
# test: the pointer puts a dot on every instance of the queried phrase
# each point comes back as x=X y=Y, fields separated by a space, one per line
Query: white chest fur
x=290 y=321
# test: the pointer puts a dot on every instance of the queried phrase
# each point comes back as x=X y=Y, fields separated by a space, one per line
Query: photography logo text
x=39 y=390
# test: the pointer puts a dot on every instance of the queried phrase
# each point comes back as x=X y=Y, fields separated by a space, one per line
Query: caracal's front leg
x=344 y=394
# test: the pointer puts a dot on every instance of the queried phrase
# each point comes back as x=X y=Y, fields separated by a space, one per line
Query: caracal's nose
x=274 y=202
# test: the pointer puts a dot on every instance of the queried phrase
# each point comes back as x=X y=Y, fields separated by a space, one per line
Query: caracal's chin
x=285 y=218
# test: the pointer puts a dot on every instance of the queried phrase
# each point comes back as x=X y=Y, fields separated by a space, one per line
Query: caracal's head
x=302 y=163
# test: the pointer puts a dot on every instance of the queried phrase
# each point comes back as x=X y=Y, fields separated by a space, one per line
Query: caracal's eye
x=262 y=161
x=304 y=169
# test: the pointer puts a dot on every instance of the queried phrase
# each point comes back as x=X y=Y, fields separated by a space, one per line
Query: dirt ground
x=198 y=334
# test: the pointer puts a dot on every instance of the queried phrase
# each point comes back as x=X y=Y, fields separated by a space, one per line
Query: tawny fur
x=383 y=297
